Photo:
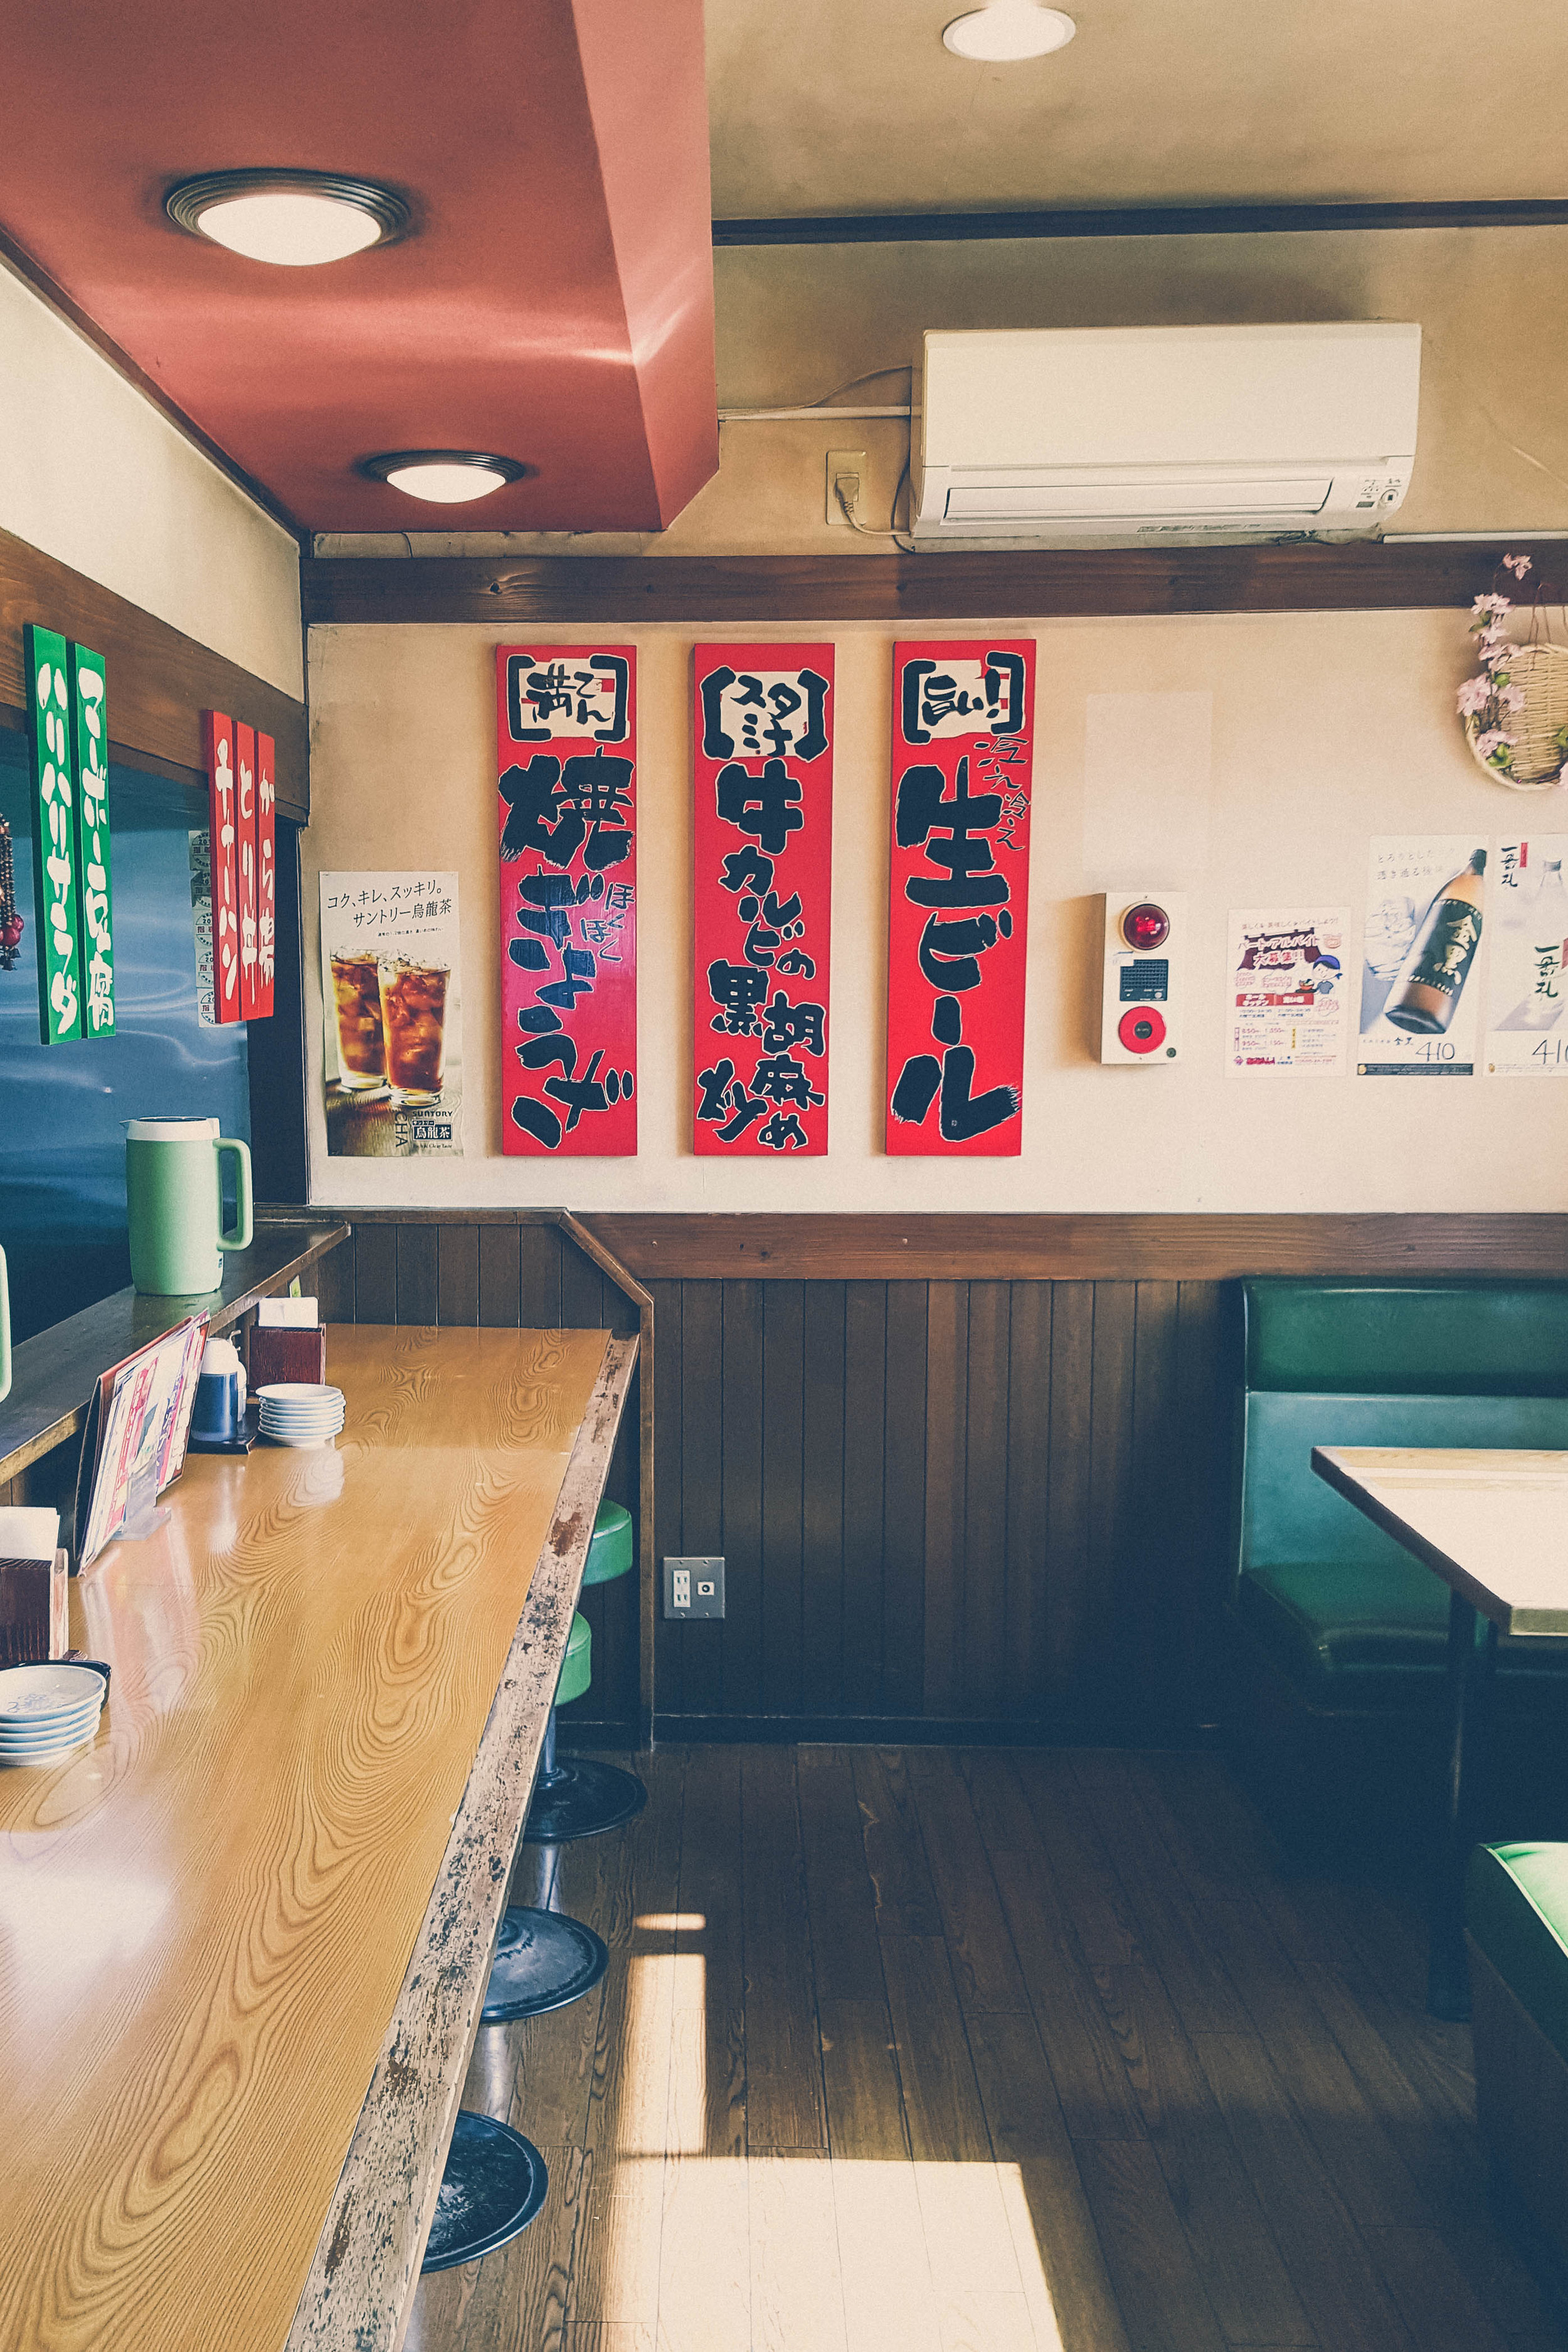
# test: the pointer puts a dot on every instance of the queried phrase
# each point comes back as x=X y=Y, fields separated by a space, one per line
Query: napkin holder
x=34 y=1611
x=278 y=1352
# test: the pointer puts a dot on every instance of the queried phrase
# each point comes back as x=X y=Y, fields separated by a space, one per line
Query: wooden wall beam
x=1140 y=220
x=1387 y=576
x=944 y=1247
x=160 y=681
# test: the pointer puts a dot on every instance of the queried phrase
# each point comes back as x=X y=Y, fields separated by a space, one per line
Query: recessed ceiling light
x=295 y=218
x=1005 y=30
x=446 y=477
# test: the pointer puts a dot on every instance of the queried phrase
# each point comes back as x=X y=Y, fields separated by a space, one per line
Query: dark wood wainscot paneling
x=509 y=1270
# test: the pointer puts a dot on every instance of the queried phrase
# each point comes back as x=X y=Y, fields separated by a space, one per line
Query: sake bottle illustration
x=1548 y=944
x=1426 y=994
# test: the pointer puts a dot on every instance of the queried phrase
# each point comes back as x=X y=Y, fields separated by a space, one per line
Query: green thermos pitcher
x=175 y=1200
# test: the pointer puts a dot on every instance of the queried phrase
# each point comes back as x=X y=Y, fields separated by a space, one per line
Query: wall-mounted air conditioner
x=1163 y=436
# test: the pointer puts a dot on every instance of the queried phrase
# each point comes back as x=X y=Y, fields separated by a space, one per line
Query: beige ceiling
x=831 y=105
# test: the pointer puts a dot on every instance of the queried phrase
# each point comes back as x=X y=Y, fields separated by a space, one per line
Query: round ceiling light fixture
x=298 y=219
x=446 y=477
x=1006 y=31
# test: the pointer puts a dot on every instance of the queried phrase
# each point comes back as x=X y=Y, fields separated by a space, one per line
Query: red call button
x=1141 y=1029
x=1146 y=927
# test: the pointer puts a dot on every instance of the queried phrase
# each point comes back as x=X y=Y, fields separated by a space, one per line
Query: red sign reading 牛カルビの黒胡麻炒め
x=959 y=904
x=763 y=780
x=566 y=740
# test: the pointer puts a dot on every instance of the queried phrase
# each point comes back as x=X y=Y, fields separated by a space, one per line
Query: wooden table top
x=206 y=1918
x=1492 y=1523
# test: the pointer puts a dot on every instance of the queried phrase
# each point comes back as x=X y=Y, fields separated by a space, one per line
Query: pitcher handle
x=5 y=1328
x=240 y=1238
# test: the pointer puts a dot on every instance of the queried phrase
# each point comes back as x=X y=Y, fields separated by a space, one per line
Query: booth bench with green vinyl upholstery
x=1516 y=1908
x=1337 y=1651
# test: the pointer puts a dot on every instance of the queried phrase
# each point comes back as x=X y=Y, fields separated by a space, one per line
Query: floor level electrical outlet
x=694 y=1586
x=842 y=462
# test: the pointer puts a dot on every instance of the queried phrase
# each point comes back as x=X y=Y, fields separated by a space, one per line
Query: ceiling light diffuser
x=297 y=219
x=446 y=477
x=1006 y=31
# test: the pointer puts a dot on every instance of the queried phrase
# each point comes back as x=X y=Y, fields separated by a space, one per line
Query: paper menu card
x=139 y=1424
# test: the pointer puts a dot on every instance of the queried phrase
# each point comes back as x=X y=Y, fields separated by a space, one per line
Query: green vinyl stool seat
x=1515 y=1915
x=574 y=1797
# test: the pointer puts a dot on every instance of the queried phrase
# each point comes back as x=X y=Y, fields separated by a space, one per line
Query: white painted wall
x=92 y=474
x=1327 y=727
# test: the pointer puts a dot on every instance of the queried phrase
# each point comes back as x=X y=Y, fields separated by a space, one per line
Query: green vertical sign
x=54 y=861
x=89 y=723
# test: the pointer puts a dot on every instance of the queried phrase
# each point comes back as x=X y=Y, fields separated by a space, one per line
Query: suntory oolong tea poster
x=1427 y=901
x=393 y=1059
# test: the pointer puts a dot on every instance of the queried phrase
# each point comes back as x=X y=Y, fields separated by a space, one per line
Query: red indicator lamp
x=1142 y=1028
x=1146 y=926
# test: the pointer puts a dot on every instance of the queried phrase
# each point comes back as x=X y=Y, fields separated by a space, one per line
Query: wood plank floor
x=943 y=2052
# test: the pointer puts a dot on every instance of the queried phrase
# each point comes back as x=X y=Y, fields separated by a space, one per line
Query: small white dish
x=30 y=1695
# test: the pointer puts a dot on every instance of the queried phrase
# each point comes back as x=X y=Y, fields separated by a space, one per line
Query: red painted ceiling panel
x=554 y=303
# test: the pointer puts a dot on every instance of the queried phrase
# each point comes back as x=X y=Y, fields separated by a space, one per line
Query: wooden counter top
x=300 y=1796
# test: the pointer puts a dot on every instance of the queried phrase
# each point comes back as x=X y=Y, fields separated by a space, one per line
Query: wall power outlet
x=694 y=1586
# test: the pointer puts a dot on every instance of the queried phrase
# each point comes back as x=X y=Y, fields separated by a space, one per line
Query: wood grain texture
x=879 y=1248
x=54 y=1372
x=1372 y=576
x=160 y=680
x=230 y=1880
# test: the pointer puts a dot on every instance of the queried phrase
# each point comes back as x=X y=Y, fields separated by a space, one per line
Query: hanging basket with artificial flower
x=1515 y=709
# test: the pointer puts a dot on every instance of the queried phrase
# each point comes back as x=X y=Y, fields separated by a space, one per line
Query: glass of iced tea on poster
x=413 y=1017
x=356 y=985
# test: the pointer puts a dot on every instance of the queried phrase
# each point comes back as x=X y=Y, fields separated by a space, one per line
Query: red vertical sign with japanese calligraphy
x=566 y=739
x=762 y=769
x=265 y=874
x=218 y=733
x=959 y=908
x=244 y=863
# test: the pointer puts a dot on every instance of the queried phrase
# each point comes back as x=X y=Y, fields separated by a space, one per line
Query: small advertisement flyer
x=1426 y=908
x=1289 y=999
x=393 y=1059
x=1527 y=990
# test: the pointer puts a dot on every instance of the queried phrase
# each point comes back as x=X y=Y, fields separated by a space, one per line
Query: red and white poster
x=224 y=832
x=762 y=773
x=245 y=860
x=959 y=907
x=266 y=874
x=567 y=741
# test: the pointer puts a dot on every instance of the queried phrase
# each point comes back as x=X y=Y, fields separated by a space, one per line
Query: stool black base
x=494 y=2184
x=542 y=1961
x=578 y=1798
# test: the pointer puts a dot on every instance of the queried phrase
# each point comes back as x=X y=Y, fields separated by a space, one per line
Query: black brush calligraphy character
x=767 y=806
x=715 y=1085
x=793 y=1025
x=738 y=991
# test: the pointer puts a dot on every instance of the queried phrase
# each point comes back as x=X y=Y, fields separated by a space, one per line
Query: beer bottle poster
x=1427 y=901
x=959 y=905
x=1527 y=985
x=762 y=831
x=392 y=1058
x=566 y=814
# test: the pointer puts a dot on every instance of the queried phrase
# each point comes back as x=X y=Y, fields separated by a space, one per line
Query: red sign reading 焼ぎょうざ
x=566 y=738
x=959 y=903
x=763 y=770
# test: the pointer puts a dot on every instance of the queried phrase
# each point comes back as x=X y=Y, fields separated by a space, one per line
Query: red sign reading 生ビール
x=566 y=737
x=959 y=907
x=763 y=771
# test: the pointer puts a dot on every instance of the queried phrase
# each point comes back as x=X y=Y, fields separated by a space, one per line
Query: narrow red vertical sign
x=762 y=773
x=265 y=874
x=566 y=740
x=959 y=907
x=221 y=817
x=245 y=862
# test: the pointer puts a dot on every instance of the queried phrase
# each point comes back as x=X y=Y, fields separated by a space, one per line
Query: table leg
x=1472 y=1655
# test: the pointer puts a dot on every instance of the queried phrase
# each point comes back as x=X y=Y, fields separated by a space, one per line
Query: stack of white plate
x=301 y=1412
x=45 y=1711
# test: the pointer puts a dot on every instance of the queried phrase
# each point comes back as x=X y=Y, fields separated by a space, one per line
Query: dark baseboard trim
x=1142 y=220
x=1066 y=1730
